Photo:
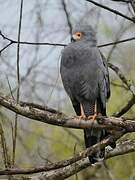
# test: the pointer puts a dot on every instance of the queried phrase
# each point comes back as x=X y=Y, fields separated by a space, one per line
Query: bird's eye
x=78 y=34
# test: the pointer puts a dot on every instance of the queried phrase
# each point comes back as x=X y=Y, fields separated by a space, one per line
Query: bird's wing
x=106 y=74
x=104 y=82
x=66 y=76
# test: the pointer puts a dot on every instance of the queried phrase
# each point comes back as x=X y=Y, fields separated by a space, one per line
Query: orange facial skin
x=77 y=35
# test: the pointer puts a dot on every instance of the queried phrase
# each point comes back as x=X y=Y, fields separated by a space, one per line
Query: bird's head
x=84 y=33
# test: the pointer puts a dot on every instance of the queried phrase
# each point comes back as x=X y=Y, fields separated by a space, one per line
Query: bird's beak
x=72 y=39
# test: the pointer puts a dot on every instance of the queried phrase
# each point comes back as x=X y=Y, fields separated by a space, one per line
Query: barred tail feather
x=93 y=136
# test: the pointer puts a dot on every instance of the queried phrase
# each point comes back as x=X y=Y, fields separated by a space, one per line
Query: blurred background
x=51 y=21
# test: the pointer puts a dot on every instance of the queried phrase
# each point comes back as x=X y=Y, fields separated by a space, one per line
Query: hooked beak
x=72 y=39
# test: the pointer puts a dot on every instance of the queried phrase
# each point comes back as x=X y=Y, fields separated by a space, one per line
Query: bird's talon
x=92 y=117
x=82 y=117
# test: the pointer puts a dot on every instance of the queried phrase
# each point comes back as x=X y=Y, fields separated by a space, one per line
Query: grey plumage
x=85 y=78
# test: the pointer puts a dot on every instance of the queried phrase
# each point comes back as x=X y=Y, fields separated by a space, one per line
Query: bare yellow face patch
x=77 y=35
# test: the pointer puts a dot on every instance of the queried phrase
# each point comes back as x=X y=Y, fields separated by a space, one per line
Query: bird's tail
x=93 y=136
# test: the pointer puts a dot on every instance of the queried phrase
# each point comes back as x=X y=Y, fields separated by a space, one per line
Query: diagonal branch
x=123 y=78
x=121 y=149
x=129 y=86
x=64 y=163
x=111 y=10
x=125 y=108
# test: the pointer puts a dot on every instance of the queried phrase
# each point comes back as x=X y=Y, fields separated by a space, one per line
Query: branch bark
x=59 y=119
x=122 y=148
x=77 y=157
x=62 y=173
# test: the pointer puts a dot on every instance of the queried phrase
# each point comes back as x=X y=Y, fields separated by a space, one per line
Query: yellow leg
x=93 y=117
x=83 y=116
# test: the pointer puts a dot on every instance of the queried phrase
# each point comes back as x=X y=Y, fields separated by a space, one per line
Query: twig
x=124 y=109
x=6 y=157
x=29 y=43
x=18 y=82
x=60 y=44
x=67 y=16
x=74 y=136
x=117 y=38
x=6 y=47
x=125 y=1
x=132 y=2
x=130 y=87
x=117 y=42
x=111 y=10
x=10 y=89
x=76 y=176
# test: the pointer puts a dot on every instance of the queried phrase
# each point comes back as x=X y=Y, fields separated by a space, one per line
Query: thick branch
x=60 y=119
x=122 y=148
x=64 y=163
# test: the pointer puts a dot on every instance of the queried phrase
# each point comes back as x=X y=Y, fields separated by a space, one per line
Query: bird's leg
x=93 y=117
x=83 y=116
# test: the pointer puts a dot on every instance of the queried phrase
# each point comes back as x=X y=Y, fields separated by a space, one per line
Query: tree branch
x=60 y=119
x=11 y=41
x=64 y=163
x=67 y=16
x=125 y=108
x=125 y=1
x=121 y=149
x=111 y=10
x=18 y=82
x=123 y=78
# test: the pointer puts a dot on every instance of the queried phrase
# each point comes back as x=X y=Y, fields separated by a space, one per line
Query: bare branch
x=125 y=108
x=6 y=157
x=67 y=16
x=62 y=120
x=121 y=149
x=129 y=86
x=64 y=163
x=11 y=41
x=111 y=10
x=125 y=1
x=132 y=2
x=117 y=42
x=18 y=82
x=123 y=78
x=5 y=47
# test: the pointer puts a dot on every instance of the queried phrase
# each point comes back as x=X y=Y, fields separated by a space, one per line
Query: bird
x=85 y=77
